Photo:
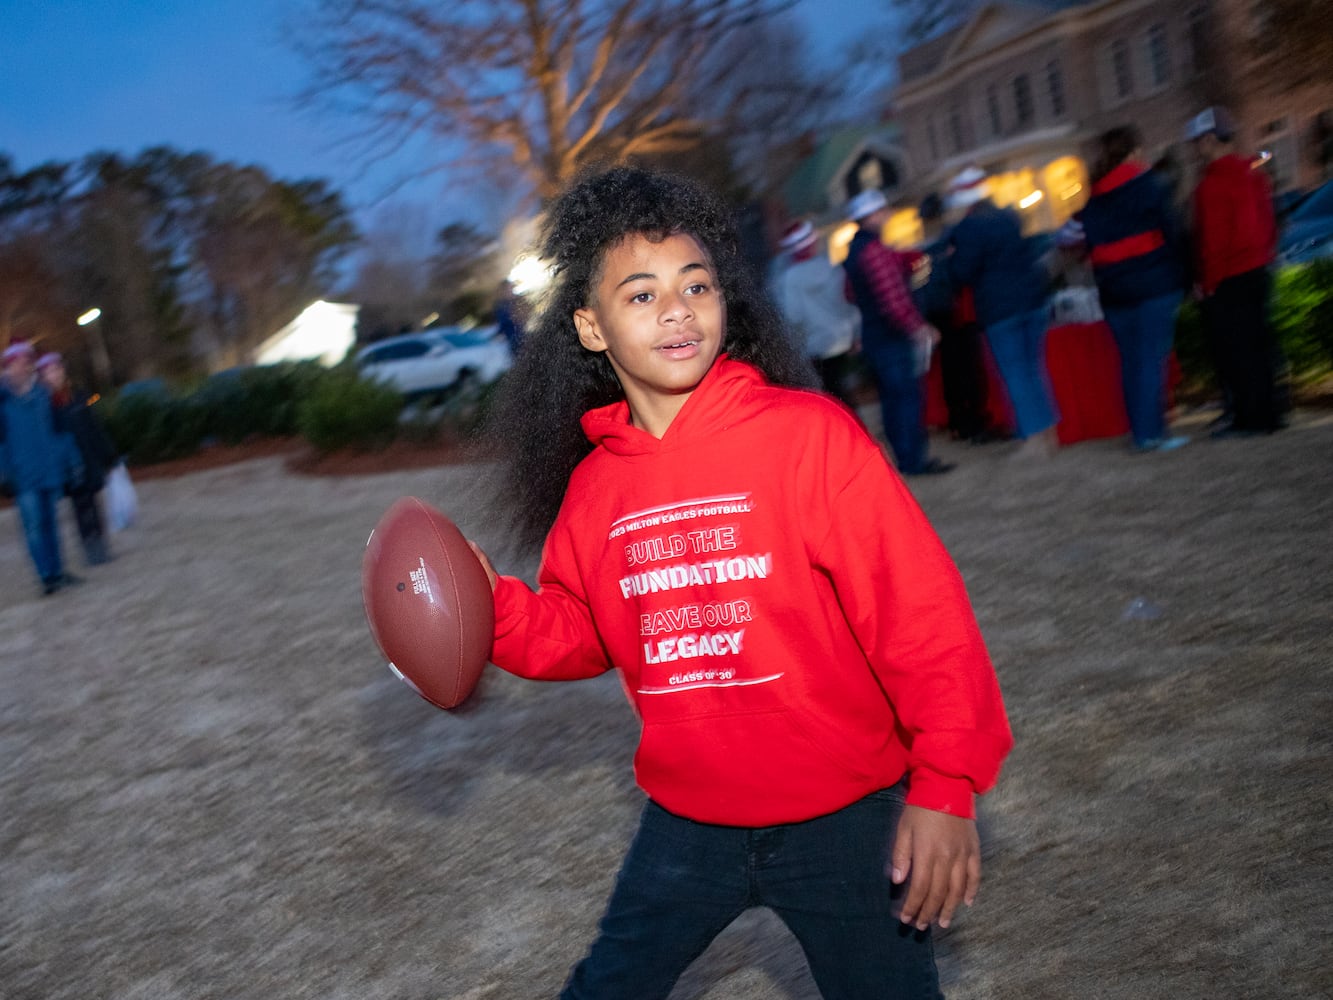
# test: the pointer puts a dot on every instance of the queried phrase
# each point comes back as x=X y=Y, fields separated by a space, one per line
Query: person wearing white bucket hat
x=810 y=295
x=892 y=334
x=1008 y=286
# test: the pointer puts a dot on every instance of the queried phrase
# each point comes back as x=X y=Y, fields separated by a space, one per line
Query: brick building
x=1023 y=90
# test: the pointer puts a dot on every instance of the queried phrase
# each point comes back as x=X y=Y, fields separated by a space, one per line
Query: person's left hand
x=485 y=563
x=942 y=856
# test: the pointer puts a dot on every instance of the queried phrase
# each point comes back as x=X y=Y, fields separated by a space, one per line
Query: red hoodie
x=1234 y=229
x=787 y=625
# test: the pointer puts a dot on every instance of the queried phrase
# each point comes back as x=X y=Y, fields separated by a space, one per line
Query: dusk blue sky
x=215 y=75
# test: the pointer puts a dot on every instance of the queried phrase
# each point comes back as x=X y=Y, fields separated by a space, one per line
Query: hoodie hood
x=711 y=406
x=792 y=635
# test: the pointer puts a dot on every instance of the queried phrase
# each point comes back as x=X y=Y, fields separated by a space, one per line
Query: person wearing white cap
x=893 y=334
x=810 y=295
x=1008 y=286
x=37 y=461
x=1235 y=240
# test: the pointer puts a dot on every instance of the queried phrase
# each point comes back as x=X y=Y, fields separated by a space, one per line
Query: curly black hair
x=555 y=380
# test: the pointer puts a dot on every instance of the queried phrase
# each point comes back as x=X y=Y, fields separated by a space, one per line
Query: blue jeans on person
x=1018 y=345
x=1144 y=332
x=41 y=530
x=901 y=400
x=683 y=882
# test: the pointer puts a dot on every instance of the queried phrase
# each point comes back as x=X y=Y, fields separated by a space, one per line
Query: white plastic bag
x=122 y=504
x=923 y=346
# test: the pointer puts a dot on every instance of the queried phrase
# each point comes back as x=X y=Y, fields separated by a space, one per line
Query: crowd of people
x=977 y=291
x=51 y=446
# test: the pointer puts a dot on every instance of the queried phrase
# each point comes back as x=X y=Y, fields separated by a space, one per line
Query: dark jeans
x=683 y=882
x=835 y=375
x=1144 y=332
x=901 y=401
x=963 y=375
x=37 y=511
x=1237 y=317
x=88 y=516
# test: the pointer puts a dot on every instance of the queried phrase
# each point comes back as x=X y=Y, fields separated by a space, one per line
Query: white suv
x=437 y=361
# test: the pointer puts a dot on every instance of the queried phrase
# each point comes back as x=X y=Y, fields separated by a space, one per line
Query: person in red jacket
x=1235 y=240
x=818 y=708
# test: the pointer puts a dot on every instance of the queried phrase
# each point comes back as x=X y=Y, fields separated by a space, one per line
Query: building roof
x=925 y=58
x=1001 y=18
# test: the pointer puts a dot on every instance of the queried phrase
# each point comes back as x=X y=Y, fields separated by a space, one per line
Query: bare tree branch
x=538 y=86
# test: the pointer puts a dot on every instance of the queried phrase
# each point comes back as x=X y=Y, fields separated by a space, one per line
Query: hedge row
x=1302 y=311
x=331 y=408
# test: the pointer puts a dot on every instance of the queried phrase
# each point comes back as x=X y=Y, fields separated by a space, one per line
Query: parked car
x=154 y=389
x=1308 y=232
x=1286 y=202
x=437 y=361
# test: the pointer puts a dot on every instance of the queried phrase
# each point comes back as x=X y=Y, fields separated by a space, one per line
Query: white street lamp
x=97 y=344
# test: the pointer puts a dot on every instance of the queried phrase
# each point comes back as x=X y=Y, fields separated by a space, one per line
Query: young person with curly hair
x=818 y=709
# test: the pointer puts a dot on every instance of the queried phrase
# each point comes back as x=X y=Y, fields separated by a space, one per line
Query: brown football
x=428 y=602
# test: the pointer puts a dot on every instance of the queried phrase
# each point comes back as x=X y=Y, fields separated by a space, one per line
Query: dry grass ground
x=211 y=787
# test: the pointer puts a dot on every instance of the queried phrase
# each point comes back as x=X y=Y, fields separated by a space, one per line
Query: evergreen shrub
x=1302 y=316
x=152 y=427
x=345 y=411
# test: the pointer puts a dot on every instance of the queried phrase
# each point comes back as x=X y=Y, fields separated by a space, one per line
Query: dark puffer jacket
x=991 y=257
x=75 y=415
